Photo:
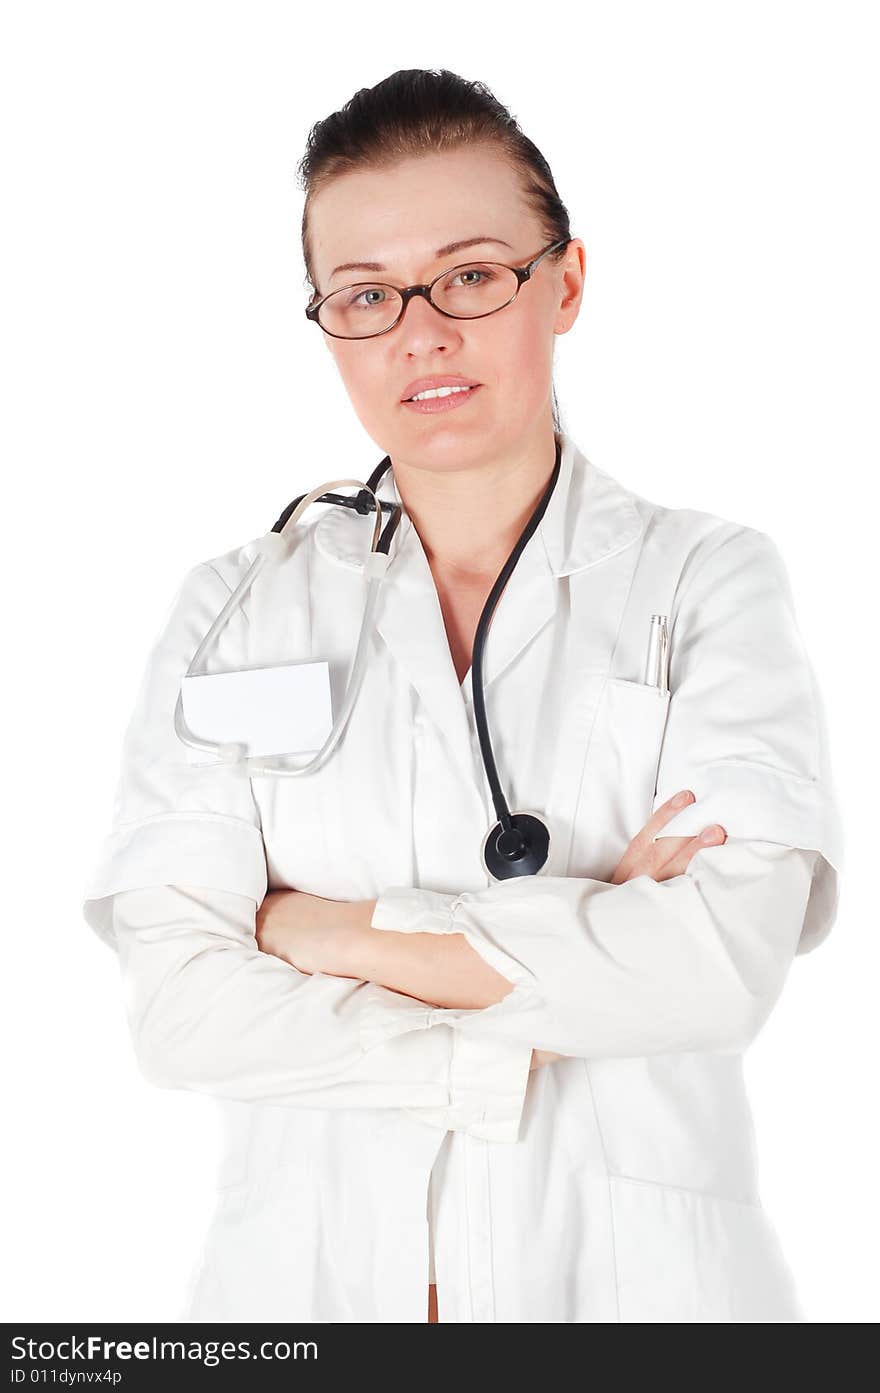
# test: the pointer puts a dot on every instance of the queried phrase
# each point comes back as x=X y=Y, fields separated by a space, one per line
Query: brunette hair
x=419 y=111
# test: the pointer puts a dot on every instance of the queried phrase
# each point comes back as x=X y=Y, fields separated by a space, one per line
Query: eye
x=468 y=275
x=371 y=290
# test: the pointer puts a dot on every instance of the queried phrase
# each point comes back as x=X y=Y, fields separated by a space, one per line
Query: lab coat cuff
x=489 y=1079
x=386 y=1013
x=209 y=850
x=485 y=1078
x=489 y=1076
x=754 y=802
x=405 y=909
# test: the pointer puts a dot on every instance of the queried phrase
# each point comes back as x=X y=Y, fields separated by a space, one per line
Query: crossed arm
x=443 y=969
x=336 y=937
x=313 y=1002
x=525 y=972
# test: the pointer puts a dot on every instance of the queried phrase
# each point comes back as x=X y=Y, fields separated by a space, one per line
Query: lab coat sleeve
x=695 y=962
x=747 y=729
x=172 y=821
x=211 y=1011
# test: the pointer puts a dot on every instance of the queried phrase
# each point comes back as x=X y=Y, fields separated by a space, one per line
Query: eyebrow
x=441 y=251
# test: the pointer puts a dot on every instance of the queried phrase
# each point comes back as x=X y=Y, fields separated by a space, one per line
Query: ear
x=572 y=289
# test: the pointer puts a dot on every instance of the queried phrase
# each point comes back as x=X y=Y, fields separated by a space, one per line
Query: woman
x=524 y=1094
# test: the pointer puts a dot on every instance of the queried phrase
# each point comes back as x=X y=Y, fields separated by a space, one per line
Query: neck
x=469 y=519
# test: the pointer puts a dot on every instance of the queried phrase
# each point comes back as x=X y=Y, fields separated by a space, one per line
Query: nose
x=421 y=319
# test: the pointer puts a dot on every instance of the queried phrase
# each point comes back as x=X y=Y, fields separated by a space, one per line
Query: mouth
x=448 y=399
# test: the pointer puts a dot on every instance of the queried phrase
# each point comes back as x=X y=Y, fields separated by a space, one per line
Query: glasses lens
x=360 y=310
x=475 y=289
x=465 y=292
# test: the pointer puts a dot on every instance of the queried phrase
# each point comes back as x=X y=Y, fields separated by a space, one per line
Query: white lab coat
x=617 y=1184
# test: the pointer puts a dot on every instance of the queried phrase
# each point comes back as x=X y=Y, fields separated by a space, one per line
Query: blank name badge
x=285 y=709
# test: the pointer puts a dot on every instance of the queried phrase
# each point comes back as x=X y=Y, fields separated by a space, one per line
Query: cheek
x=524 y=365
x=370 y=387
x=355 y=369
x=534 y=362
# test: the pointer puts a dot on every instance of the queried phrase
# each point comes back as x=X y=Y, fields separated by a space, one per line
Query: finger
x=666 y=812
x=715 y=835
x=642 y=845
x=652 y=860
x=667 y=847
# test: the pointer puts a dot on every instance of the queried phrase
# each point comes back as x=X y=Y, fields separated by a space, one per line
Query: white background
x=165 y=398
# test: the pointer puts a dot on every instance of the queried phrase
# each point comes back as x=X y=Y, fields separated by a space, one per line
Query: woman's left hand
x=311 y=933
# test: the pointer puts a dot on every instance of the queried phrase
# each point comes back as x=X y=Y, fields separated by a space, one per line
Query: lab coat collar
x=589 y=518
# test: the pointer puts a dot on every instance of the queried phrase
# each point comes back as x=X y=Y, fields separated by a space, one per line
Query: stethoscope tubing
x=519 y=843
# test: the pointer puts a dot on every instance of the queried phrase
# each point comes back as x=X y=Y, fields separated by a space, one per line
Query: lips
x=427 y=384
x=449 y=401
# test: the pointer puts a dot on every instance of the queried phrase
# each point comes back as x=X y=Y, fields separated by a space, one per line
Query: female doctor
x=448 y=1094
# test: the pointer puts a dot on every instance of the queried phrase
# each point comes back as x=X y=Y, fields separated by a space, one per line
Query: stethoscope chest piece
x=521 y=849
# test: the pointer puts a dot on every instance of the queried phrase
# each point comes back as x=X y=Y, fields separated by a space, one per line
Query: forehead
x=401 y=214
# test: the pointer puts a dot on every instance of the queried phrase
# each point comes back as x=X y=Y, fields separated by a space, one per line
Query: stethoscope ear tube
x=272 y=548
x=376 y=566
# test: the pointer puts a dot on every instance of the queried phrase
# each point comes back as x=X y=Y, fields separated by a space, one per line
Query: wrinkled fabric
x=618 y=1183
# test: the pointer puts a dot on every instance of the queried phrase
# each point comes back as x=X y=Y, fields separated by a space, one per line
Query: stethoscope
x=519 y=843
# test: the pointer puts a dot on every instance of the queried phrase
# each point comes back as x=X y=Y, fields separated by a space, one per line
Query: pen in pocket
x=657 y=660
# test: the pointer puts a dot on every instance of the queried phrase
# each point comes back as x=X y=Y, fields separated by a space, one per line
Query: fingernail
x=711 y=834
x=681 y=798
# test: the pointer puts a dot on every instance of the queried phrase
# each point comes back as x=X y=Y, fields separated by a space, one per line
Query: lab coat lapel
x=410 y=621
x=589 y=519
x=593 y=547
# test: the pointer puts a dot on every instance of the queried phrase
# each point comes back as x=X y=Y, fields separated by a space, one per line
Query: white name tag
x=278 y=710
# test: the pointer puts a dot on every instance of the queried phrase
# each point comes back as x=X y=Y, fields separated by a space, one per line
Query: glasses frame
x=522 y=273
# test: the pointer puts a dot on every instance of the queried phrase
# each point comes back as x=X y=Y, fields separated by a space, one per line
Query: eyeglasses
x=470 y=291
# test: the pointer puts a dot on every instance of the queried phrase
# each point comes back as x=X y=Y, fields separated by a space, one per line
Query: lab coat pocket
x=254 y=1265
x=689 y=1256
x=620 y=773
